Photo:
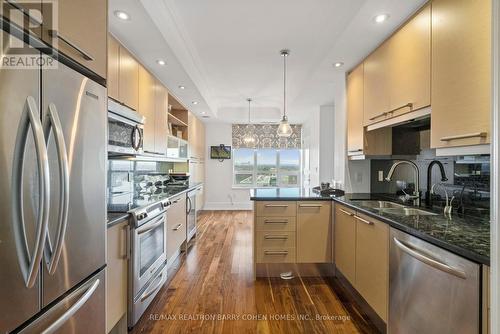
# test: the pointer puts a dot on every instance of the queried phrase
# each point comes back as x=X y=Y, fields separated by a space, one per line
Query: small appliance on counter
x=325 y=190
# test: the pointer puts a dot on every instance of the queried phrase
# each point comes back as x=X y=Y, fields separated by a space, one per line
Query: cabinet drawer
x=276 y=208
x=271 y=255
x=276 y=224
x=176 y=235
x=272 y=239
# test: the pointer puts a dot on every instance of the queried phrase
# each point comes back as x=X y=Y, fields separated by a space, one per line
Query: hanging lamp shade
x=284 y=128
x=249 y=137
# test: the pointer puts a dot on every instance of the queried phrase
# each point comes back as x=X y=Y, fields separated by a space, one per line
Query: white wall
x=310 y=145
x=327 y=133
x=219 y=191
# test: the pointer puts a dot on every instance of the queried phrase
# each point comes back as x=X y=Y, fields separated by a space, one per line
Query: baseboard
x=228 y=206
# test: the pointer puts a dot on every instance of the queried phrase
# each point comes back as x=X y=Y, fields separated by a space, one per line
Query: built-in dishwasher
x=431 y=290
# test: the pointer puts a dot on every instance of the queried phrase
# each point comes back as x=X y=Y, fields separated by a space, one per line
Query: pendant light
x=249 y=138
x=284 y=129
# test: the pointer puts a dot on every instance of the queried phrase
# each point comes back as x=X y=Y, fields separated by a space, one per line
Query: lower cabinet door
x=176 y=225
x=345 y=242
x=314 y=232
x=372 y=263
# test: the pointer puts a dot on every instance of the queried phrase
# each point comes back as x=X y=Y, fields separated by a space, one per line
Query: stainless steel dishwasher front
x=431 y=290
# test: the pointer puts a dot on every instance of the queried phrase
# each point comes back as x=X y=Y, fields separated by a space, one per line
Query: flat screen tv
x=220 y=152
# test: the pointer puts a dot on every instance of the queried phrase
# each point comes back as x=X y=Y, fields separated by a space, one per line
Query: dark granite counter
x=467 y=236
x=116 y=218
x=285 y=194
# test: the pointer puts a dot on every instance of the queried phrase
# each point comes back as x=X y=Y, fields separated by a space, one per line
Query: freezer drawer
x=432 y=291
x=82 y=311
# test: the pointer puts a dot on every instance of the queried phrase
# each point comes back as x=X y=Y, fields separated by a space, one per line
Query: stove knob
x=145 y=215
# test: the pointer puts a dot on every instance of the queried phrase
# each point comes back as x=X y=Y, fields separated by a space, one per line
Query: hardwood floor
x=214 y=291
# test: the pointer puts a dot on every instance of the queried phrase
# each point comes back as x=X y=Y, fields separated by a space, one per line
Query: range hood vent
x=405 y=119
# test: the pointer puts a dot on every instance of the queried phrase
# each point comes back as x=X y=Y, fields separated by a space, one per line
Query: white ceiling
x=224 y=51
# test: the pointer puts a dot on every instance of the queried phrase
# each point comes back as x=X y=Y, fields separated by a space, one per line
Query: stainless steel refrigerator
x=52 y=200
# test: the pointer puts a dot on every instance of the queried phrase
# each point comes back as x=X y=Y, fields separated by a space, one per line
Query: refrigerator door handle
x=30 y=264
x=190 y=204
x=73 y=309
x=52 y=122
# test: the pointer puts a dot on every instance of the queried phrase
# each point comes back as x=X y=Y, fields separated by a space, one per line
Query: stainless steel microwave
x=125 y=129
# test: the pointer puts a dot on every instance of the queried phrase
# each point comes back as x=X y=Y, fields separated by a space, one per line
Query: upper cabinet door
x=80 y=31
x=147 y=108
x=461 y=73
x=193 y=136
x=376 y=85
x=129 y=79
x=410 y=65
x=113 y=68
x=161 y=114
x=355 y=111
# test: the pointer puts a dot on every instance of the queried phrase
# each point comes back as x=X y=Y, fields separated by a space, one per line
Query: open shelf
x=176 y=121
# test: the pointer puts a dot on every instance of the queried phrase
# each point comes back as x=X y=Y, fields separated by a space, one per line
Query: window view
x=266 y=167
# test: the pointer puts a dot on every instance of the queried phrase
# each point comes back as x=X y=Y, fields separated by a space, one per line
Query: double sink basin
x=394 y=208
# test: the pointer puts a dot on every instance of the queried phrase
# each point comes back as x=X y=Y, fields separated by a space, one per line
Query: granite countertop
x=467 y=236
x=117 y=217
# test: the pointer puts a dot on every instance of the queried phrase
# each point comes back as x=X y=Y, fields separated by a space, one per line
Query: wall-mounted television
x=220 y=152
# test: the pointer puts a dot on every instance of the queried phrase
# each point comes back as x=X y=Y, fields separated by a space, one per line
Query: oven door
x=124 y=136
x=149 y=249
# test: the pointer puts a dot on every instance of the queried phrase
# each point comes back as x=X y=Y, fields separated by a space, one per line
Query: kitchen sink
x=379 y=204
x=407 y=212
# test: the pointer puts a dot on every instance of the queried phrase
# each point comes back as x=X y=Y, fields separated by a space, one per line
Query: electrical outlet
x=381 y=176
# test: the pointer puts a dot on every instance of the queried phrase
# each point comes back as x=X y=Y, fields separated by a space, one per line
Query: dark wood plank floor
x=213 y=291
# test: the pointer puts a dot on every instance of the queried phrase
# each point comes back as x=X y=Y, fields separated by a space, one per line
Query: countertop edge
x=117 y=220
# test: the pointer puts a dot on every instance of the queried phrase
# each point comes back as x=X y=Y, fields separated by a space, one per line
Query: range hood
x=414 y=116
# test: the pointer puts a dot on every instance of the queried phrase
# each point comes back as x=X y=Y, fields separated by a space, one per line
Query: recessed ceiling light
x=182 y=87
x=203 y=112
x=195 y=102
x=122 y=15
x=338 y=64
x=161 y=62
x=381 y=18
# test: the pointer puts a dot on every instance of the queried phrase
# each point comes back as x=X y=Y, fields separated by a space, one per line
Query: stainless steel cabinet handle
x=276 y=237
x=275 y=221
x=346 y=212
x=276 y=205
x=126 y=242
x=85 y=55
x=276 y=252
x=408 y=105
x=177 y=227
x=147 y=293
x=189 y=205
x=73 y=309
x=467 y=135
x=356 y=150
x=30 y=263
x=52 y=122
x=417 y=254
x=364 y=220
x=310 y=205
x=159 y=222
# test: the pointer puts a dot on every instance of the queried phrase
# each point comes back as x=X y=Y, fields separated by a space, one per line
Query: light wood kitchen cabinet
x=196 y=137
x=176 y=225
x=128 y=88
x=116 y=273
x=360 y=141
x=376 y=85
x=372 y=263
x=345 y=242
x=355 y=127
x=81 y=31
x=113 y=68
x=314 y=232
x=410 y=65
x=461 y=73
x=161 y=118
x=147 y=108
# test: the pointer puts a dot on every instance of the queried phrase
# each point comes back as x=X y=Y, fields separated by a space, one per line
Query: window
x=266 y=167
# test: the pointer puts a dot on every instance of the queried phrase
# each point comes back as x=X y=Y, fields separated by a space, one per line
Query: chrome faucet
x=416 y=195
